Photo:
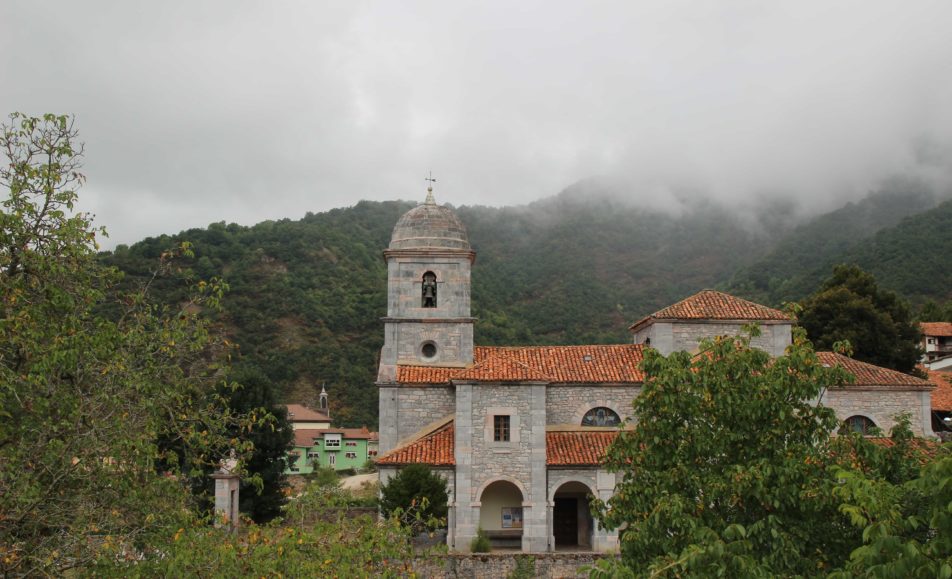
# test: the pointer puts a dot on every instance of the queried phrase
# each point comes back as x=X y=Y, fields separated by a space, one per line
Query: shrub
x=415 y=487
x=480 y=543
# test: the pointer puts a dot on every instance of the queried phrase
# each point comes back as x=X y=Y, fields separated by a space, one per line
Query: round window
x=428 y=350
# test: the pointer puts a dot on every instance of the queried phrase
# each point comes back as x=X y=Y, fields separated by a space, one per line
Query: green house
x=338 y=448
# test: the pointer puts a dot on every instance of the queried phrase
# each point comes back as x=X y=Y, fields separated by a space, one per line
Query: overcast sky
x=194 y=112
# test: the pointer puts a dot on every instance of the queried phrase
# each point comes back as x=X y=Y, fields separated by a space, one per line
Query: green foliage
x=850 y=306
x=723 y=474
x=84 y=398
x=345 y=547
x=903 y=512
x=324 y=476
x=415 y=486
x=272 y=436
x=935 y=312
x=480 y=543
x=525 y=567
x=798 y=263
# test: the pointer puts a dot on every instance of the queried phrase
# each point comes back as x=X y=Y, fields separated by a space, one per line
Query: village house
x=937 y=345
x=337 y=448
x=519 y=432
x=317 y=444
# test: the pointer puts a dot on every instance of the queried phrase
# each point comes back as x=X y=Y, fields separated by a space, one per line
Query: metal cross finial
x=429 y=190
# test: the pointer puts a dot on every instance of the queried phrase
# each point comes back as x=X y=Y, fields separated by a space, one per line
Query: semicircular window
x=601 y=416
x=860 y=424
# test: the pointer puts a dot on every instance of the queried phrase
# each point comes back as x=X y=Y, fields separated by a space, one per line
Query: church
x=519 y=432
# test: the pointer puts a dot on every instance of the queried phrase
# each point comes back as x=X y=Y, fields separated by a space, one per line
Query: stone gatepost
x=226 y=495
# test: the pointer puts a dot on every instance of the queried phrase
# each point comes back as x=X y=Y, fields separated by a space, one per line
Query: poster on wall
x=512 y=517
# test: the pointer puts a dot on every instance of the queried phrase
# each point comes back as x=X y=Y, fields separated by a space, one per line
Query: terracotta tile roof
x=436 y=448
x=936 y=328
x=714 y=305
x=871 y=375
x=615 y=364
x=577 y=447
x=942 y=395
x=306 y=436
x=301 y=413
x=563 y=448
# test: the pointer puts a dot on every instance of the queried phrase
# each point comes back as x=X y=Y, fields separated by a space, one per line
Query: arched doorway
x=572 y=524
x=500 y=514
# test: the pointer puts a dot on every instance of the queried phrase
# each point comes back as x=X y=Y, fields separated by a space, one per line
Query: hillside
x=806 y=256
x=306 y=296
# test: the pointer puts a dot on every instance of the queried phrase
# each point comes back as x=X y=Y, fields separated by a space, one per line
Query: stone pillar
x=226 y=496
x=467 y=506
x=604 y=540
x=535 y=531
x=550 y=516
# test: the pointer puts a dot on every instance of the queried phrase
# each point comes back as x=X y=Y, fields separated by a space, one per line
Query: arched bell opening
x=572 y=524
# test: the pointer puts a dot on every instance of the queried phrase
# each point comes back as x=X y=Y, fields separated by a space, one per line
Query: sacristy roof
x=714 y=305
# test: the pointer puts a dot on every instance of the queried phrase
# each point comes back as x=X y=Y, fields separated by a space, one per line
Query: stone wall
x=882 y=406
x=667 y=337
x=494 y=565
x=497 y=459
x=567 y=404
x=404 y=410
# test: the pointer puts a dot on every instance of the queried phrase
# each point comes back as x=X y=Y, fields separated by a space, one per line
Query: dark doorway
x=565 y=522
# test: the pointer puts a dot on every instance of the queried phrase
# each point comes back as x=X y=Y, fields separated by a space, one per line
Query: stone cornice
x=430 y=252
x=388 y=320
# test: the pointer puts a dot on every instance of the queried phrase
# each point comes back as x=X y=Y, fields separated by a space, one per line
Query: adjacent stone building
x=519 y=433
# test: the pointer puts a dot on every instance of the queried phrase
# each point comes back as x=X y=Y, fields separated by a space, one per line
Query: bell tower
x=428 y=320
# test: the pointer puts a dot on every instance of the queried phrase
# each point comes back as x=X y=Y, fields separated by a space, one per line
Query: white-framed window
x=350 y=454
x=332 y=441
x=332 y=459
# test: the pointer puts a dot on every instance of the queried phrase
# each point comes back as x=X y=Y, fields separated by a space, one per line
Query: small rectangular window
x=501 y=428
x=350 y=454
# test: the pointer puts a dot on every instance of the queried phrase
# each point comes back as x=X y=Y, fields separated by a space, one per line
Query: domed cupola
x=429 y=226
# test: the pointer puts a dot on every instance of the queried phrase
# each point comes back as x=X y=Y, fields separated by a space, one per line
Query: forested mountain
x=306 y=296
x=802 y=259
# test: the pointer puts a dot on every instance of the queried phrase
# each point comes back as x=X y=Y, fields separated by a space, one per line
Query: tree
x=724 y=472
x=272 y=436
x=876 y=322
x=415 y=488
x=84 y=398
x=934 y=312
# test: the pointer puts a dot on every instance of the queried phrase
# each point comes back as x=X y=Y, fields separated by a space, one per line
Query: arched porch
x=572 y=526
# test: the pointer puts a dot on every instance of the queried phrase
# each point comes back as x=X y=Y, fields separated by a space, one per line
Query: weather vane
x=431 y=179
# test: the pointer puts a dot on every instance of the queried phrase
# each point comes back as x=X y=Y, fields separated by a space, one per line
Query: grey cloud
x=201 y=111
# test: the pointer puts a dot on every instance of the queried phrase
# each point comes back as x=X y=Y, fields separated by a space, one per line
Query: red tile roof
x=306 y=436
x=616 y=364
x=577 y=447
x=436 y=448
x=301 y=413
x=714 y=305
x=936 y=328
x=942 y=395
x=871 y=375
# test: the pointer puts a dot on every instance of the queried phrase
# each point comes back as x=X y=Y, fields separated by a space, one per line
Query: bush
x=417 y=488
x=480 y=543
